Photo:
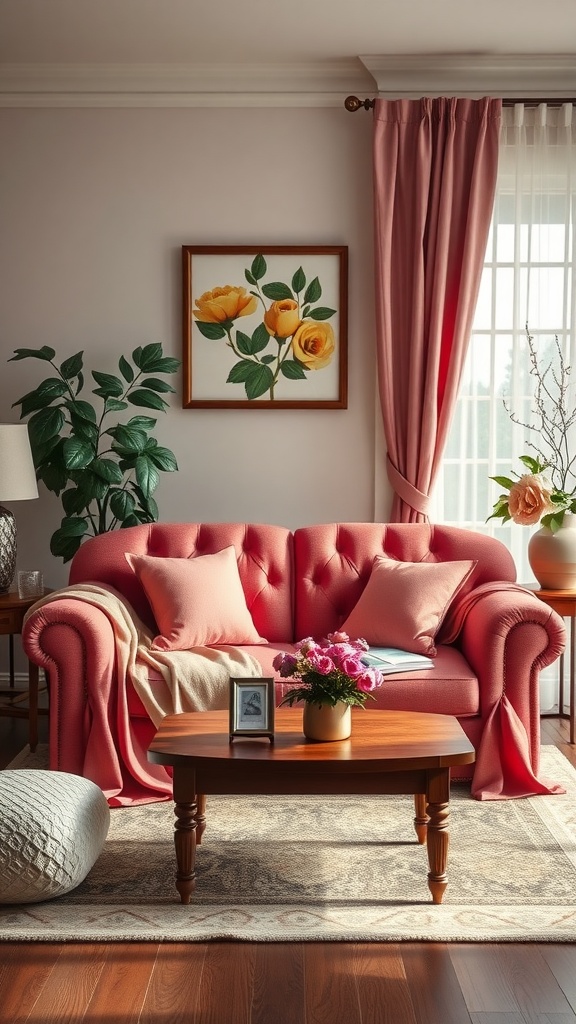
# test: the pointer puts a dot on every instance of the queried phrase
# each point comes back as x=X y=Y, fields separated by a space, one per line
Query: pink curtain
x=435 y=165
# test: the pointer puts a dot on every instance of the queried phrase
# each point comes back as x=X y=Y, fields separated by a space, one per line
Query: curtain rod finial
x=352 y=103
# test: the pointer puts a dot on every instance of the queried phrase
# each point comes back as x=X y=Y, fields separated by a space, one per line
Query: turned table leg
x=438 y=813
x=200 y=817
x=421 y=819
x=185 y=810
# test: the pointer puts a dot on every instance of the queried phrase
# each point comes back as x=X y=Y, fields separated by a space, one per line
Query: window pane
x=527 y=279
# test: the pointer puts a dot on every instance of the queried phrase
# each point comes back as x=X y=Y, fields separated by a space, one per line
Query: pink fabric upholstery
x=264 y=561
x=435 y=163
x=495 y=640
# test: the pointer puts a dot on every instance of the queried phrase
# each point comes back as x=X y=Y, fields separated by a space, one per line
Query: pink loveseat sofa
x=298 y=584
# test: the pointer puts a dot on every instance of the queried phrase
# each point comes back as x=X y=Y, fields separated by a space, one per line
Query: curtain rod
x=352 y=103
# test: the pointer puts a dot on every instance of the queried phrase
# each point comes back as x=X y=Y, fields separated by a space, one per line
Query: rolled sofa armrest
x=73 y=642
x=508 y=636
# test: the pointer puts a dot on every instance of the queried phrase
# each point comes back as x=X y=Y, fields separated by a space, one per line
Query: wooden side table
x=564 y=602
x=12 y=611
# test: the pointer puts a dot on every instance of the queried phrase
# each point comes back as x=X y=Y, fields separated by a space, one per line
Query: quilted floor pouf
x=52 y=828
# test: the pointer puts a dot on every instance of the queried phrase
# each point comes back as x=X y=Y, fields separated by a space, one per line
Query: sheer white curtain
x=528 y=278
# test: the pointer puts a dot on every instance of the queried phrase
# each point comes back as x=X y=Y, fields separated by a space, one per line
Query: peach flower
x=223 y=304
x=529 y=499
x=313 y=344
x=282 y=318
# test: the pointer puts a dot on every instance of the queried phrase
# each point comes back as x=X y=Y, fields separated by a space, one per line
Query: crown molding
x=181 y=85
x=505 y=75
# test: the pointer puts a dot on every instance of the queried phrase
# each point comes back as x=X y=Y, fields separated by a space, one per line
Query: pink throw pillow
x=403 y=603
x=197 y=602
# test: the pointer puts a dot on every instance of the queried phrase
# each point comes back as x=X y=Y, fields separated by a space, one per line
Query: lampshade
x=17 y=476
x=17 y=483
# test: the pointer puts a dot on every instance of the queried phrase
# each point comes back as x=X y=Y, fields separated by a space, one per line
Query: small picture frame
x=252 y=708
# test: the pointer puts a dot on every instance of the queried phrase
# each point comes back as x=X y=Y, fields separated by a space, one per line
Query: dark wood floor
x=296 y=983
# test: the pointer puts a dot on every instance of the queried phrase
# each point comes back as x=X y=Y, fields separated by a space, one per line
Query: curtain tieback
x=405 y=490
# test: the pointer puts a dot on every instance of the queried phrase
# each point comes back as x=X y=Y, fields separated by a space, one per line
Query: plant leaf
x=64 y=547
x=144 y=422
x=125 y=369
x=163 y=459
x=299 y=280
x=260 y=338
x=114 y=405
x=292 y=370
x=32 y=402
x=73 y=501
x=83 y=409
x=45 y=424
x=149 y=355
x=277 y=291
x=165 y=365
x=53 y=476
x=321 y=313
x=313 y=291
x=122 y=504
x=129 y=438
x=259 y=382
x=77 y=454
x=259 y=267
x=158 y=385
x=503 y=481
x=147 y=399
x=108 y=470
x=45 y=353
x=109 y=384
x=244 y=343
x=211 y=331
x=240 y=372
x=146 y=475
x=84 y=429
x=71 y=367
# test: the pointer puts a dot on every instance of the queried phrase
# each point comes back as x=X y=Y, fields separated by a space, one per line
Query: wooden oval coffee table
x=388 y=752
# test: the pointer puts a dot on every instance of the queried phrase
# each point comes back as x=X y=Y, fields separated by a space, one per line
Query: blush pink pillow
x=403 y=603
x=197 y=602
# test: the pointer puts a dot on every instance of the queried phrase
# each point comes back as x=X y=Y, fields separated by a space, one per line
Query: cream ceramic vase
x=552 y=556
x=324 y=722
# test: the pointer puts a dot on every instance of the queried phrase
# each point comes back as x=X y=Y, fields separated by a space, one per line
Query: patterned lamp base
x=7 y=548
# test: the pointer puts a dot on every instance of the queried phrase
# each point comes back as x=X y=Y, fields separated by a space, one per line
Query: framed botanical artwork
x=252 y=707
x=265 y=327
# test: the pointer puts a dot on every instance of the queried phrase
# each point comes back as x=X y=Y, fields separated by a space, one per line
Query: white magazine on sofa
x=393 y=659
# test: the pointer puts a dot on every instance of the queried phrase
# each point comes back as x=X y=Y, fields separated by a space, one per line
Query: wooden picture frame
x=265 y=327
x=252 y=707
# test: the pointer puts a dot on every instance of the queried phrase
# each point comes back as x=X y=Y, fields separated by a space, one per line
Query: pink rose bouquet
x=330 y=670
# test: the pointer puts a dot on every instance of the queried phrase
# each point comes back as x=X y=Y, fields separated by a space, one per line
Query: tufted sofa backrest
x=333 y=562
x=264 y=555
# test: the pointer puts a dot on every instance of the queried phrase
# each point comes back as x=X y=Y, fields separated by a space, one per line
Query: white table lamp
x=17 y=483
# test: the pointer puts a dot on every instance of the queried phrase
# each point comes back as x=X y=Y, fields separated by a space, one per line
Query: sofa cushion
x=450 y=688
x=196 y=601
x=404 y=603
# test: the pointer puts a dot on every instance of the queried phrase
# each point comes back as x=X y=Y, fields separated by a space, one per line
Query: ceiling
x=281 y=52
x=264 y=31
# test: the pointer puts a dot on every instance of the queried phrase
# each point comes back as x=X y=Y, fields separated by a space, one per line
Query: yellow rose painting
x=292 y=339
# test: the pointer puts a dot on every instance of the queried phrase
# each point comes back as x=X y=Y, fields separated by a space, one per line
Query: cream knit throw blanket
x=194 y=680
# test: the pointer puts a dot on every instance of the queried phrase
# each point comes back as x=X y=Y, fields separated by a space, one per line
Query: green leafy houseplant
x=106 y=475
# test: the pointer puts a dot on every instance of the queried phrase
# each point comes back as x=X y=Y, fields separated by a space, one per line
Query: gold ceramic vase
x=326 y=723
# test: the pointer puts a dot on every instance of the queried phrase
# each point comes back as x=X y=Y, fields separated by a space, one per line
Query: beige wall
x=94 y=206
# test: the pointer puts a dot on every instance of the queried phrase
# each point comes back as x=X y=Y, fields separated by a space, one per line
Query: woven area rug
x=326 y=868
